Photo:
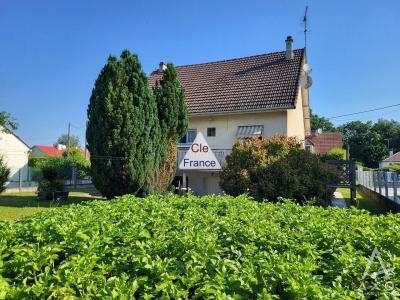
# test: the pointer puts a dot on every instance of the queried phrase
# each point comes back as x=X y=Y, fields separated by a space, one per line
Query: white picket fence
x=384 y=183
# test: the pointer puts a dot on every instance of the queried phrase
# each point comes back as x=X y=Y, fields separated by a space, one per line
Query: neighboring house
x=255 y=96
x=48 y=150
x=391 y=160
x=15 y=153
x=323 y=142
x=52 y=150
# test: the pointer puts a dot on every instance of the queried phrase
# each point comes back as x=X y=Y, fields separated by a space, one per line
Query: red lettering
x=199 y=148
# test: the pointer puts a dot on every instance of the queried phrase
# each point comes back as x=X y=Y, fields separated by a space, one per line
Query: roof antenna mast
x=305 y=27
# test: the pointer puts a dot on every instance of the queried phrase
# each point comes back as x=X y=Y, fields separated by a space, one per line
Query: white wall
x=295 y=120
x=384 y=164
x=15 y=155
x=203 y=182
x=227 y=125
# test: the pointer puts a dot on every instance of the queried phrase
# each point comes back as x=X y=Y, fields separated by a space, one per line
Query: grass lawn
x=364 y=202
x=14 y=206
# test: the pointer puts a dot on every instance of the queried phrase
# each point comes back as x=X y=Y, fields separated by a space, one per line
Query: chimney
x=162 y=66
x=289 y=48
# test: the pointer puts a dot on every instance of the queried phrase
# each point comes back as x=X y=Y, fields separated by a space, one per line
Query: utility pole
x=85 y=138
x=388 y=145
x=69 y=136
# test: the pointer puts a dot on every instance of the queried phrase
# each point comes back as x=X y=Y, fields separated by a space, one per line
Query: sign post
x=198 y=157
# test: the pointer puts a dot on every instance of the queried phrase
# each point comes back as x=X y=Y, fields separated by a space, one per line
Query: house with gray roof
x=256 y=96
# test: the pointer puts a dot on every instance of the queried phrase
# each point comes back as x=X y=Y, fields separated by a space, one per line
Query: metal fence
x=383 y=183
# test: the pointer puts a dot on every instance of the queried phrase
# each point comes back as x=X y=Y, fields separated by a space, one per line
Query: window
x=189 y=137
x=310 y=148
x=245 y=132
x=211 y=131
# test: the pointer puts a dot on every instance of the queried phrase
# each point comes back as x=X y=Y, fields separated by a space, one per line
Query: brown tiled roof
x=394 y=158
x=261 y=82
x=325 y=141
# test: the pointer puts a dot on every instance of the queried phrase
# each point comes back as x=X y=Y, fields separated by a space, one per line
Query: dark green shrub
x=276 y=167
x=50 y=186
x=4 y=174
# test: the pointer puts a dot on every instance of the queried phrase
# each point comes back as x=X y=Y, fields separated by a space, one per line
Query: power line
x=364 y=111
x=370 y=117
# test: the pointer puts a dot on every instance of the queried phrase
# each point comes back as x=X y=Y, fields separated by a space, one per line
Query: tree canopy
x=365 y=142
x=63 y=139
x=7 y=122
x=322 y=123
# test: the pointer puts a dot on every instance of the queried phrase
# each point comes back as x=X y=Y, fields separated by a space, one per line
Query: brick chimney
x=289 y=48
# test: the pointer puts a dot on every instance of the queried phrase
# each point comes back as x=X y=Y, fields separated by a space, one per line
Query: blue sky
x=52 y=51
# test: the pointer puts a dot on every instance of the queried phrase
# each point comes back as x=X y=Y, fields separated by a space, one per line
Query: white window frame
x=188 y=142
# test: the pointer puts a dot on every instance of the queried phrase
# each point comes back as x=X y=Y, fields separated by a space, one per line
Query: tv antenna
x=305 y=20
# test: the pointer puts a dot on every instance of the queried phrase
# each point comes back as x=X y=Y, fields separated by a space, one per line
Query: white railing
x=220 y=154
x=383 y=183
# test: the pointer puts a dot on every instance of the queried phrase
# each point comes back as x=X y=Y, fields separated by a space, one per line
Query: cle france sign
x=199 y=156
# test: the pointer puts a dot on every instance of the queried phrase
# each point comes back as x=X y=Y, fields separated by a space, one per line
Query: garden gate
x=347 y=176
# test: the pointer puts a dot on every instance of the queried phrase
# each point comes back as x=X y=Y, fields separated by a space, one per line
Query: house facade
x=42 y=150
x=393 y=159
x=15 y=153
x=256 y=96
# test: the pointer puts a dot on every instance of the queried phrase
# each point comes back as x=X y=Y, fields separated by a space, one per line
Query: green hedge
x=196 y=247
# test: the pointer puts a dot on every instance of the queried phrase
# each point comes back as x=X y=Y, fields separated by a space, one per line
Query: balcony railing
x=220 y=154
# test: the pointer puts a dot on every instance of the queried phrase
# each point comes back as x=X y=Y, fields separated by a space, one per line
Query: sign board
x=199 y=156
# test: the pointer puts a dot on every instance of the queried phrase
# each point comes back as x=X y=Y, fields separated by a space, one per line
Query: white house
x=255 y=96
x=15 y=153
x=394 y=159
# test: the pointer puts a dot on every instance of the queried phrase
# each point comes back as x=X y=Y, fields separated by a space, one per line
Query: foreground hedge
x=209 y=247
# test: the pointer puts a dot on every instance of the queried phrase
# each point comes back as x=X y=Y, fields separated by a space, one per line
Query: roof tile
x=266 y=81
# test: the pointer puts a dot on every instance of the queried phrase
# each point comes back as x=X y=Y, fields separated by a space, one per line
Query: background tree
x=365 y=143
x=173 y=121
x=4 y=174
x=7 y=122
x=318 y=122
x=63 y=139
x=123 y=131
x=388 y=130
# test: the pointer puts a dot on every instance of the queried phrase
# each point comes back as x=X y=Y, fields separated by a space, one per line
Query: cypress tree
x=173 y=123
x=123 y=131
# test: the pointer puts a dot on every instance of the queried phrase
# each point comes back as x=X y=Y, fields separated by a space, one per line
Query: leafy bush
x=276 y=167
x=197 y=247
x=50 y=186
x=60 y=167
x=334 y=154
x=4 y=174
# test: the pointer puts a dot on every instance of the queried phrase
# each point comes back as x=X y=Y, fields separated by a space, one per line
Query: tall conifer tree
x=123 y=130
x=173 y=120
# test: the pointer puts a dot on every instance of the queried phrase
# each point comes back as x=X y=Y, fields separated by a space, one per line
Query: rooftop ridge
x=238 y=58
